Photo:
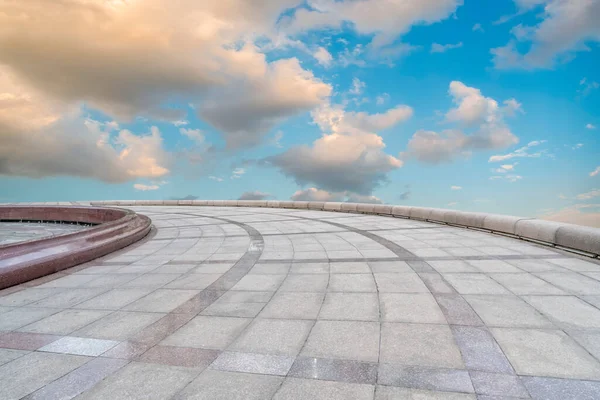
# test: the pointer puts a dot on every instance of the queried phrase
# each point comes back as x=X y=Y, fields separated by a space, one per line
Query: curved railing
x=113 y=229
x=577 y=238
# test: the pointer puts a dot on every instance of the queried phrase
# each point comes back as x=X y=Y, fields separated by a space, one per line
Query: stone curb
x=570 y=237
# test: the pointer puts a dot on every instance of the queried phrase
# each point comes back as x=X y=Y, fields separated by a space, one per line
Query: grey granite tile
x=491 y=384
x=436 y=283
x=542 y=388
x=309 y=389
x=79 y=346
x=207 y=332
x=334 y=370
x=568 y=312
x=445 y=380
x=480 y=351
x=305 y=283
x=293 y=305
x=273 y=336
x=350 y=306
x=457 y=311
x=400 y=393
x=400 y=283
x=509 y=311
x=253 y=363
x=410 y=307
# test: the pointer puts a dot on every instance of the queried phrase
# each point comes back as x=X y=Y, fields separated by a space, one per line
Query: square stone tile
x=575 y=264
x=568 y=312
x=142 y=381
x=293 y=305
x=114 y=299
x=108 y=281
x=127 y=350
x=350 y=306
x=152 y=280
x=561 y=389
x=33 y=371
x=80 y=346
x=400 y=283
x=273 y=336
x=410 y=307
x=436 y=283
x=310 y=268
x=390 y=266
x=25 y=341
x=278 y=269
x=526 y=284
x=474 y=284
x=348 y=340
x=7 y=355
x=350 y=267
x=193 y=281
x=162 y=300
x=120 y=325
x=69 y=298
x=480 y=351
x=589 y=341
x=242 y=310
x=399 y=393
x=207 y=332
x=572 y=282
x=352 y=283
x=180 y=356
x=234 y=296
x=223 y=385
x=546 y=353
x=498 y=385
x=69 y=281
x=419 y=344
x=305 y=283
x=456 y=310
x=334 y=370
x=309 y=389
x=493 y=266
x=508 y=311
x=258 y=282
x=23 y=316
x=434 y=379
x=65 y=322
x=445 y=266
x=28 y=296
x=532 y=265
x=253 y=363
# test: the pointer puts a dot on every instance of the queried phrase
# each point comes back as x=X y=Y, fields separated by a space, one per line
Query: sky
x=490 y=106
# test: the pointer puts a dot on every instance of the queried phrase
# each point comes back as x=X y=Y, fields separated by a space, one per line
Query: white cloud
x=588 y=195
x=215 y=178
x=323 y=56
x=521 y=152
x=503 y=169
x=509 y=178
x=477 y=28
x=255 y=195
x=581 y=214
x=473 y=110
x=590 y=126
x=595 y=172
x=442 y=48
x=193 y=134
x=456 y=187
x=452 y=204
x=314 y=194
x=180 y=122
x=358 y=198
x=577 y=146
x=237 y=173
x=382 y=99
x=142 y=187
x=358 y=87
x=587 y=87
x=566 y=27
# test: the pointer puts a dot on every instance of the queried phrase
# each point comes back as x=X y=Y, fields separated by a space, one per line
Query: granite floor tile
x=33 y=371
x=436 y=283
x=157 y=331
x=193 y=281
x=253 y=363
x=420 y=345
x=548 y=353
x=80 y=346
x=179 y=356
x=234 y=296
x=243 y=310
x=277 y=269
x=494 y=266
x=127 y=350
x=436 y=379
x=526 y=284
x=207 y=332
x=7 y=355
x=120 y=325
x=65 y=322
x=28 y=296
x=68 y=298
x=474 y=284
x=334 y=370
x=350 y=306
x=410 y=307
x=23 y=316
x=305 y=283
x=400 y=283
x=273 y=336
x=480 y=351
x=349 y=340
x=309 y=389
x=293 y=305
x=390 y=266
x=490 y=384
x=561 y=389
x=355 y=267
x=114 y=299
x=25 y=340
x=259 y=282
x=446 y=266
x=568 y=312
x=457 y=311
x=508 y=311
x=575 y=264
x=399 y=393
x=352 y=283
x=151 y=280
x=224 y=385
x=78 y=380
x=142 y=381
x=161 y=300
x=572 y=282
x=310 y=268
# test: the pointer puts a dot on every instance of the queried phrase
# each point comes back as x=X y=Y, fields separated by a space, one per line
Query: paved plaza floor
x=258 y=303
x=14 y=232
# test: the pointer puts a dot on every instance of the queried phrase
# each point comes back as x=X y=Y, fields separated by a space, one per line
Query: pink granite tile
x=26 y=341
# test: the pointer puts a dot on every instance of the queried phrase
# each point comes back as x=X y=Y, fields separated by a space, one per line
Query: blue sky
x=476 y=106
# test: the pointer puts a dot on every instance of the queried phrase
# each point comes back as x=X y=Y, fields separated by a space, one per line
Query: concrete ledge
x=568 y=236
x=114 y=229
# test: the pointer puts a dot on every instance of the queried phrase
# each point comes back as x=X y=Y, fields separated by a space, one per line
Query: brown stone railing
x=113 y=229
